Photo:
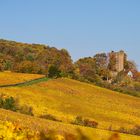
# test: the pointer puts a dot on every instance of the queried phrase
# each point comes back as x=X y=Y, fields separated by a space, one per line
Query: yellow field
x=65 y=99
x=35 y=124
x=7 y=78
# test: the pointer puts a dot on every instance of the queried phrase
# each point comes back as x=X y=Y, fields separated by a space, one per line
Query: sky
x=83 y=27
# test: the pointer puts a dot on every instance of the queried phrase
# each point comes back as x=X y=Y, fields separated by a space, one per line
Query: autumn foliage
x=33 y=58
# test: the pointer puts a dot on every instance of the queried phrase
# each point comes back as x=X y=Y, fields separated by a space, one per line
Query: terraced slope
x=65 y=99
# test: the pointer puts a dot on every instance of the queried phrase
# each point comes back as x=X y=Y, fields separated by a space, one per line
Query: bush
x=90 y=123
x=123 y=130
x=133 y=131
x=54 y=72
x=85 y=122
x=8 y=103
x=78 y=121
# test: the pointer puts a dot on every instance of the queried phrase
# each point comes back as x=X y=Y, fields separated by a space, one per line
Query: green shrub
x=9 y=103
x=54 y=72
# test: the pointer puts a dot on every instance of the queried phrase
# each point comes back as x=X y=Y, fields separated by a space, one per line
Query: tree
x=101 y=60
x=33 y=58
x=137 y=76
x=28 y=67
x=130 y=65
x=87 y=69
x=54 y=72
x=112 y=62
x=101 y=65
x=66 y=66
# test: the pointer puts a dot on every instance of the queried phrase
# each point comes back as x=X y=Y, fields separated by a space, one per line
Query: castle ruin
x=119 y=60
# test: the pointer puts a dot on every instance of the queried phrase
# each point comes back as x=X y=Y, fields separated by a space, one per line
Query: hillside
x=8 y=78
x=52 y=62
x=65 y=99
x=35 y=124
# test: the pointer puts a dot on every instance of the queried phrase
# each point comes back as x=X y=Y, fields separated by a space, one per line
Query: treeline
x=42 y=59
x=33 y=58
x=101 y=71
x=101 y=67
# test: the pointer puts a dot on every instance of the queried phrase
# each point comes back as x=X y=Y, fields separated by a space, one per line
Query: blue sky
x=83 y=27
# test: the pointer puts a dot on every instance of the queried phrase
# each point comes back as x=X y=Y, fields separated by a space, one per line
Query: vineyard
x=9 y=78
x=64 y=105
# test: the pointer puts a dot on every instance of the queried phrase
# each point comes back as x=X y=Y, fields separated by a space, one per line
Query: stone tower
x=119 y=60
